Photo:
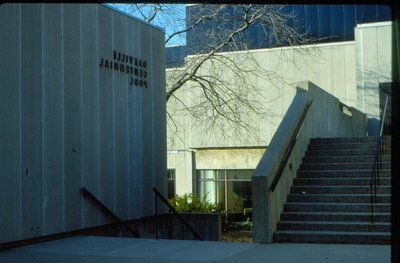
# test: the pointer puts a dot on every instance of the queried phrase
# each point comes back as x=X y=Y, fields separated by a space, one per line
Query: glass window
x=211 y=185
x=171 y=182
x=238 y=195
x=231 y=189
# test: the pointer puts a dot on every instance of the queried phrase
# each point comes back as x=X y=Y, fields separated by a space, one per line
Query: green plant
x=246 y=225
x=192 y=203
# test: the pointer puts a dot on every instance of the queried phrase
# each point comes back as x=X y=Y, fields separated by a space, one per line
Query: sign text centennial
x=134 y=67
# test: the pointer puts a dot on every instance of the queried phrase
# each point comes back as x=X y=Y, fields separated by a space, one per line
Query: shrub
x=192 y=203
x=247 y=225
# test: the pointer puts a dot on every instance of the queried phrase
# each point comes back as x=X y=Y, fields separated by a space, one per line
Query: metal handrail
x=173 y=210
x=107 y=211
x=384 y=116
x=289 y=148
x=376 y=166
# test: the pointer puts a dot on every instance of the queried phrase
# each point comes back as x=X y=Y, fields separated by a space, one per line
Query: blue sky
x=172 y=19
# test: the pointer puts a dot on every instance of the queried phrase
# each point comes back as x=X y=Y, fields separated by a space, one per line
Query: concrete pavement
x=110 y=249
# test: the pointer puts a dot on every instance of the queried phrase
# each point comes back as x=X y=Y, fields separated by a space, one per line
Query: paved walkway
x=110 y=249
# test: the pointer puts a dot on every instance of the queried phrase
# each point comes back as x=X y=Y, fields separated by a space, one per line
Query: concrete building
x=82 y=105
x=322 y=22
x=217 y=163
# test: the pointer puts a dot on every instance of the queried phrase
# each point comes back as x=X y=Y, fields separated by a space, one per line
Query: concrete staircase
x=329 y=201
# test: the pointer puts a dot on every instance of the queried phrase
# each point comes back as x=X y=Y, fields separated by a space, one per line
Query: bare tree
x=221 y=71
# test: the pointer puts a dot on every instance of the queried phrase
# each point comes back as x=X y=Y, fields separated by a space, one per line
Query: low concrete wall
x=327 y=117
x=207 y=225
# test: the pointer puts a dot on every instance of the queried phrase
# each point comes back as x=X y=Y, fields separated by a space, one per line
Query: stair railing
x=107 y=211
x=158 y=195
x=377 y=162
x=289 y=148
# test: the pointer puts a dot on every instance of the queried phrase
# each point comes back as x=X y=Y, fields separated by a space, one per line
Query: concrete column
x=262 y=232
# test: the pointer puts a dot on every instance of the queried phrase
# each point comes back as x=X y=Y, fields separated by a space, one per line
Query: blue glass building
x=323 y=22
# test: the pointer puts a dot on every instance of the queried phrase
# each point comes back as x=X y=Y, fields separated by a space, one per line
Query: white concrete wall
x=68 y=122
x=178 y=118
x=331 y=66
x=374 y=66
x=221 y=159
x=350 y=71
x=183 y=163
x=324 y=119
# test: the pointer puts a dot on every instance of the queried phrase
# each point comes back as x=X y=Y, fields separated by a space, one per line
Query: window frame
x=215 y=180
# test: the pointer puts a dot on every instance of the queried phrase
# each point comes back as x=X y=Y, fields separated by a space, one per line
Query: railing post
x=182 y=236
x=156 y=209
x=372 y=205
x=372 y=208
x=182 y=220
x=376 y=182
x=170 y=230
x=377 y=161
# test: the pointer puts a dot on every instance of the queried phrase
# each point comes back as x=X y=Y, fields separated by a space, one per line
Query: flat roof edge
x=340 y=43
x=375 y=24
x=133 y=17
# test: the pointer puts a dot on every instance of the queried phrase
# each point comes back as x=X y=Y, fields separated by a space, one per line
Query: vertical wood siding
x=66 y=122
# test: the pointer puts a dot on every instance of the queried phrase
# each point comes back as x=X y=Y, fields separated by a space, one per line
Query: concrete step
x=341 y=146
x=335 y=207
x=387 y=139
x=343 y=140
x=337 y=152
x=340 y=181
x=337 y=198
x=333 y=226
x=335 y=216
x=344 y=159
x=355 y=189
x=332 y=237
x=342 y=166
x=340 y=173
x=329 y=201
